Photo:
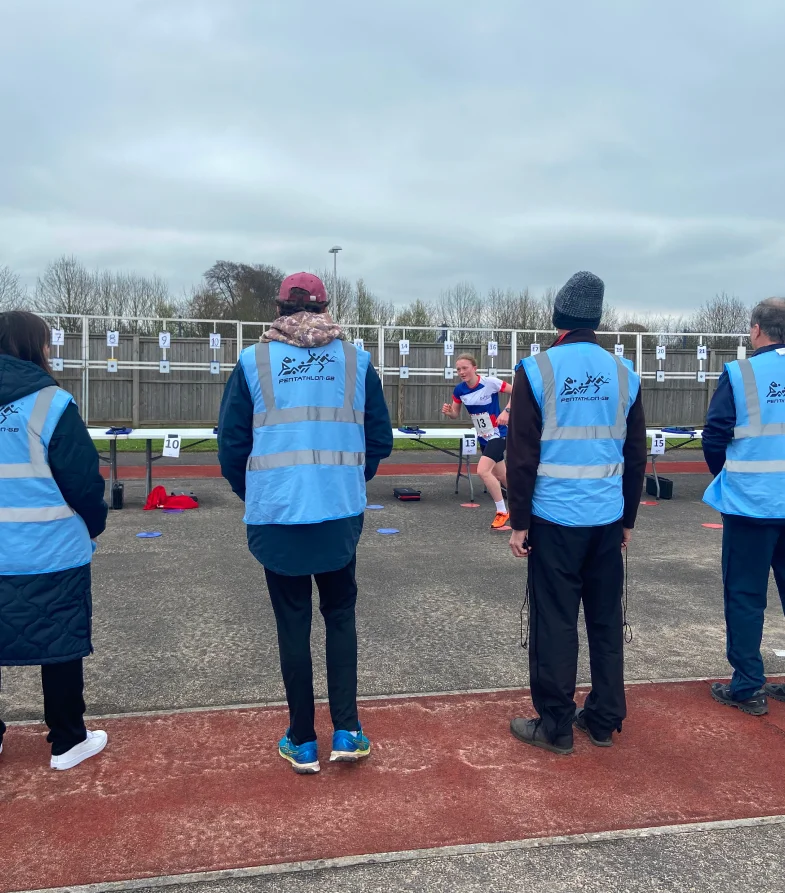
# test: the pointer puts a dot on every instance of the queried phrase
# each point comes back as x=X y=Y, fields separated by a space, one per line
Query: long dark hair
x=25 y=336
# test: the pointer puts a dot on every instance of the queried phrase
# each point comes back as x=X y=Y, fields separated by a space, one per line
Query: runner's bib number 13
x=484 y=426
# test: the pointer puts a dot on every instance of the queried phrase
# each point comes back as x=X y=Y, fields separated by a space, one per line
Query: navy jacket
x=46 y=618
x=720 y=422
x=298 y=549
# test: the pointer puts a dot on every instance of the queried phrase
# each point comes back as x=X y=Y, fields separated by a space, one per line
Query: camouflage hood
x=304 y=330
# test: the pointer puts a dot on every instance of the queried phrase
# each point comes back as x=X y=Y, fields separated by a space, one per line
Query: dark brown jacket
x=523 y=447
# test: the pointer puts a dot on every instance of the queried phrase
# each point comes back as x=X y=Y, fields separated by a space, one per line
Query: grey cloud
x=509 y=144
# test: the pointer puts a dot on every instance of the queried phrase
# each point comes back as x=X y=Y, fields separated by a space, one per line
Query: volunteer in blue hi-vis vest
x=303 y=426
x=744 y=446
x=51 y=508
x=576 y=459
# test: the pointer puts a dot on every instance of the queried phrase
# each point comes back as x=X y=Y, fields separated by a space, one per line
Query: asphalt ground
x=183 y=621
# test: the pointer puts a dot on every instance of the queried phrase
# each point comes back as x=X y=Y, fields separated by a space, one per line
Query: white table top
x=430 y=434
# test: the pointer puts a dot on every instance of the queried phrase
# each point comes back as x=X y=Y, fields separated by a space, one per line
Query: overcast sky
x=507 y=142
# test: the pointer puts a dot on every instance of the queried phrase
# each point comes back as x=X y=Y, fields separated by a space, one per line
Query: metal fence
x=150 y=372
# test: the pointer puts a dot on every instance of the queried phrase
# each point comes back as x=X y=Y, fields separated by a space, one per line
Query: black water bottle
x=117 y=494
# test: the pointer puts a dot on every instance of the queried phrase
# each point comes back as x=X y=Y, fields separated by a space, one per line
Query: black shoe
x=775 y=690
x=756 y=705
x=530 y=732
x=580 y=724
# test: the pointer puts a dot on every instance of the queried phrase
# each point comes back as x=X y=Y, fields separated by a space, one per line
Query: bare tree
x=66 y=288
x=13 y=295
x=340 y=291
x=460 y=307
x=372 y=311
x=723 y=314
x=245 y=291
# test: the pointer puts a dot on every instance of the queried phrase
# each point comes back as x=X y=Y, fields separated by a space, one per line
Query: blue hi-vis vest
x=752 y=483
x=39 y=531
x=585 y=395
x=308 y=459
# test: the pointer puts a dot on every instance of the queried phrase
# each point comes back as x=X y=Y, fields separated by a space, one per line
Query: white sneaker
x=93 y=744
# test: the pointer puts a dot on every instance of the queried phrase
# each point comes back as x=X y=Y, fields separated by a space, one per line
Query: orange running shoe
x=500 y=520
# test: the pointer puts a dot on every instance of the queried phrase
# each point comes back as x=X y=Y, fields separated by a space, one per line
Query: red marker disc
x=712 y=526
x=470 y=505
x=650 y=503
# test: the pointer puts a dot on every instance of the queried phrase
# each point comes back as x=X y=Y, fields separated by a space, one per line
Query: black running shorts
x=494 y=449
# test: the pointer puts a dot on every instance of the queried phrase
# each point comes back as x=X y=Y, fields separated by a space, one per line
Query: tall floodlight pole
x=334 y=251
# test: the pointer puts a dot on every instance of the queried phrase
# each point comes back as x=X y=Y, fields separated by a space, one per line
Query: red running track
x=190 y=792
x=162 y=472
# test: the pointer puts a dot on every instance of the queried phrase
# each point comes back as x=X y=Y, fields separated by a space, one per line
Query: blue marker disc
x=374 y=508
x=387 y=530
x=148 y=534
x=173 y=511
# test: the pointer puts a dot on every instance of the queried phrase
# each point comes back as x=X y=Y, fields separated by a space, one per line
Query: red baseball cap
x=307 y=282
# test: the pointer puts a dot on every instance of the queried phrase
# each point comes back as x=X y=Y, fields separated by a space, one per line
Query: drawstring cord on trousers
x=527 y=622
x=526 y=612
x=627 y=627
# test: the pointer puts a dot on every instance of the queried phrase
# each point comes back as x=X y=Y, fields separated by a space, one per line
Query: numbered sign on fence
x=703 y=352
x=58 y=337
x=469 y=446
x=56 y=364
x=112 y=339
x=359 y=344
x=172 y=446
x=741 y=352
x=660 y=351
x=658 y=444
x=164 y=340
x=618 y=349
x=215 y=340
x=449 y=373
x=660 y=375
x=493 y=348
x=534 y=349
x=403 y=372
x=449 y=348
x=163 y=367
x=403 y=347
x=215 y=368
x=701 y=376
x=111 y=365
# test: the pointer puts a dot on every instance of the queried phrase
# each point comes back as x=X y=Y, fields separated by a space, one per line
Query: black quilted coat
x=46 y=618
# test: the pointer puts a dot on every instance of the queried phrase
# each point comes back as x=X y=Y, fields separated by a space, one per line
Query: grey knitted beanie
x=578 y=304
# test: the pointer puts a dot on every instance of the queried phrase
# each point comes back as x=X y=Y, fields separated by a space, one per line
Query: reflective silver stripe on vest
x=274 y=416
x=21 y=470
x=35 y=428
x=763 y=466
x=771 y=430
x=553 y=431
x=580 y=472
x=754 y=428
x=305 y=457
x=49 y=513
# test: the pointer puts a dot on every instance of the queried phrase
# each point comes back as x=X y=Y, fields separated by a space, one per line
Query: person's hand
x=519 y=543
x=626 y=537
x=447 y=409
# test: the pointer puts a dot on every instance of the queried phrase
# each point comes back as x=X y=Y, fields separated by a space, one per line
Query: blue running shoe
x=303 y=757
x=348 y=747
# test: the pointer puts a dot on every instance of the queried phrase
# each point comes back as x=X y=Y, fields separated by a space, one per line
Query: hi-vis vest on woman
x=308 y=459
x=39 y=532
x=752 y=483
x=585 y=395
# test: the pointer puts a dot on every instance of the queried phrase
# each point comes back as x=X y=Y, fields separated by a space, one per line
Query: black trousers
x=291 y=600
x=568 y=565
x=64 y=705
x=750 y=551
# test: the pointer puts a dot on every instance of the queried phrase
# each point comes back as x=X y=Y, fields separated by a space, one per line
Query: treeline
x=237 y=291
